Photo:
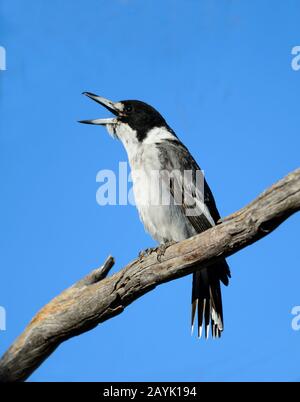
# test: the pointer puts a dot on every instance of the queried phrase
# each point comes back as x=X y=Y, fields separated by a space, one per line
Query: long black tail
x=207 y=298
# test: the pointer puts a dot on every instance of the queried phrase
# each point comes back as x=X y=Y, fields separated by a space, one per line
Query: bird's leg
x=160 y=251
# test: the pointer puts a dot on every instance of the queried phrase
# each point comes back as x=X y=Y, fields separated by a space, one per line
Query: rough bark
x=97 y=298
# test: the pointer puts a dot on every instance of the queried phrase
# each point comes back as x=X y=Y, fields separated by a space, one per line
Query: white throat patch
x=132 y=145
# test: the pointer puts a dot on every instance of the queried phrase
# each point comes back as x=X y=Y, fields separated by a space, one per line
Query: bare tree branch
x=97 y=298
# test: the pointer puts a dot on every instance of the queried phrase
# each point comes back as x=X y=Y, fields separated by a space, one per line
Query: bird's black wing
x=206 y=293
x=176 y=157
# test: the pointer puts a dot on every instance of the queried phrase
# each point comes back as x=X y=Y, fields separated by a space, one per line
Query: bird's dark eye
x=128 y=108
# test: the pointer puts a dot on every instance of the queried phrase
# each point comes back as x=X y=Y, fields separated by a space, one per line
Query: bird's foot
x=160 y=251
x=147 y=252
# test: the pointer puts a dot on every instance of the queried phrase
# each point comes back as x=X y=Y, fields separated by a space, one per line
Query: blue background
x=220 y=72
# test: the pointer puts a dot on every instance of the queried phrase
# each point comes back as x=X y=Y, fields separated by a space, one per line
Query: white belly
x=163 y=222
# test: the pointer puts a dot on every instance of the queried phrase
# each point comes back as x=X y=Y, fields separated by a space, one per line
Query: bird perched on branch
x=171 y=194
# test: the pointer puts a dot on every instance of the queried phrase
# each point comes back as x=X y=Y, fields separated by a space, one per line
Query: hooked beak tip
x=86 y=93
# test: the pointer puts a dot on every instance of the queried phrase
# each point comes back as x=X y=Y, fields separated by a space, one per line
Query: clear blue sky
x=220 y=72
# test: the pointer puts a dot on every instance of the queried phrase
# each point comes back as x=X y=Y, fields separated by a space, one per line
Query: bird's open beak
x=115 y=108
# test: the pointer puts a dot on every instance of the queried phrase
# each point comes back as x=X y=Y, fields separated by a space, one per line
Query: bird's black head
x=139 y=116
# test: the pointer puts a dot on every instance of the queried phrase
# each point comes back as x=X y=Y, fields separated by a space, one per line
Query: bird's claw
x=146 y=252
x=160 y=252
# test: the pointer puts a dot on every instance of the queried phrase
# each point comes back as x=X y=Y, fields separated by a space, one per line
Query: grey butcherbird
x=152 y=146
